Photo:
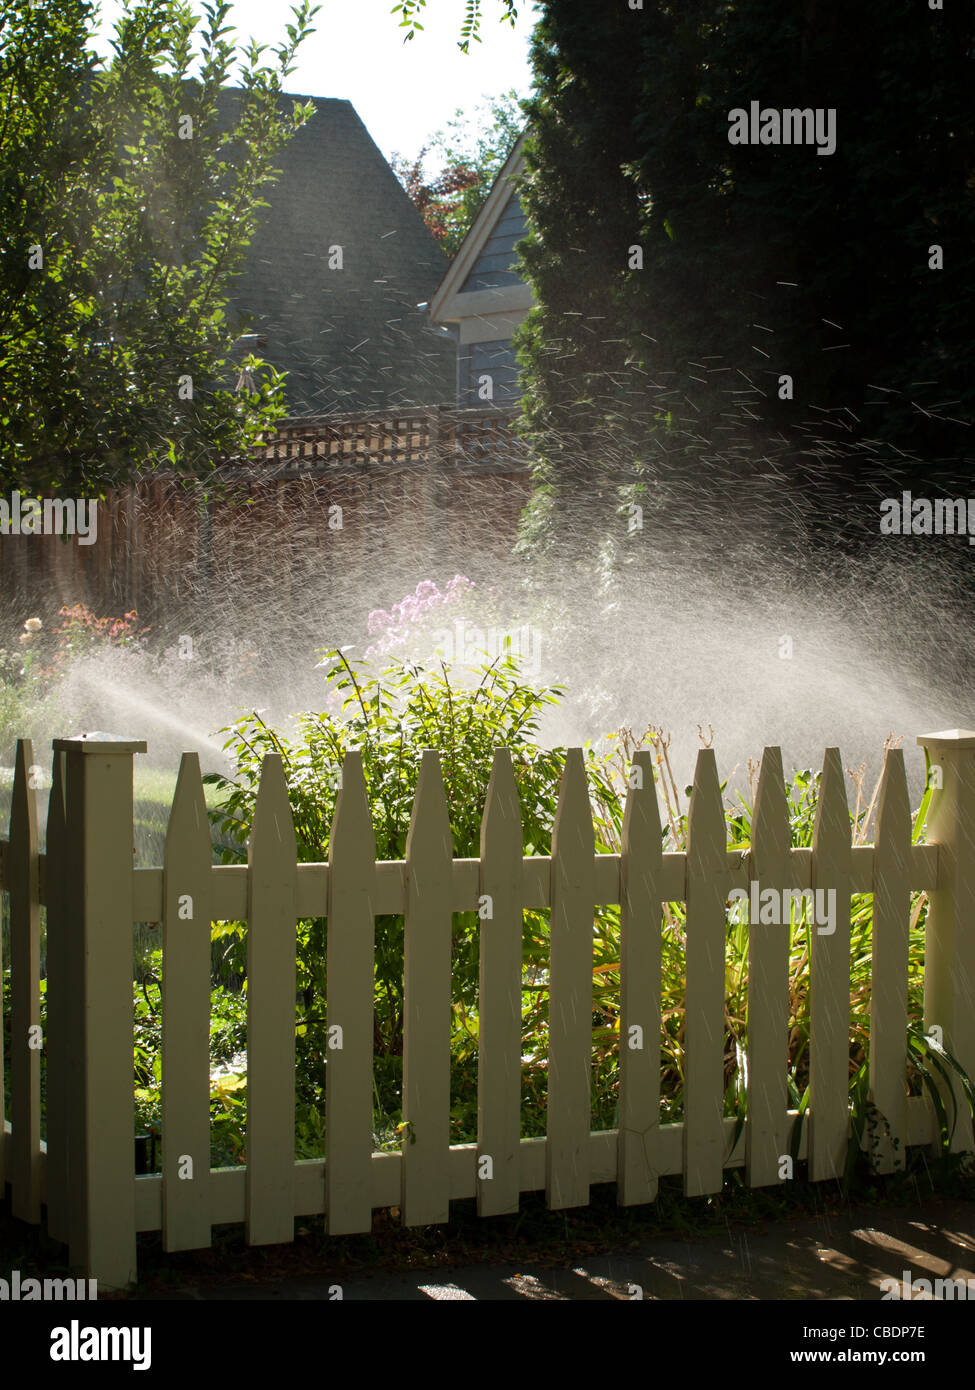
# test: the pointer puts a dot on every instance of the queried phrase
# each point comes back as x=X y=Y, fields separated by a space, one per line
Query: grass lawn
x=153 y=789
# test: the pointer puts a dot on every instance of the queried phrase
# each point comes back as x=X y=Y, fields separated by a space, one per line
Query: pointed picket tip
x=642 y=826
x=573 y=829
x=273 y=825
x=23 y=806
x=430 y=817
x=501 y=827
x=352 y=822
x=832 y=825
x=706 y=828
x=894 y=804
x=188 y=813
x=771 y=832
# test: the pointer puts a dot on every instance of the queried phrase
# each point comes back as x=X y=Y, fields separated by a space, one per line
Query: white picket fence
x=84 y=1173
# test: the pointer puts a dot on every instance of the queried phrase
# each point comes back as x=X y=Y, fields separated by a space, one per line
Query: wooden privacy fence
x=450 y=481
x=93 y=895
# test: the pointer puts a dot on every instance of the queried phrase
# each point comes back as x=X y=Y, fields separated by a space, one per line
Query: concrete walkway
x=832 y=1258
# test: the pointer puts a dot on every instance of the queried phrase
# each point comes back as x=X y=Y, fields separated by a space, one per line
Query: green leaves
x=470 y=28
x=629 y=146
x=143 y=190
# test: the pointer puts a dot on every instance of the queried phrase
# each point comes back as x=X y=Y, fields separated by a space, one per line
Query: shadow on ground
x=832 y=1257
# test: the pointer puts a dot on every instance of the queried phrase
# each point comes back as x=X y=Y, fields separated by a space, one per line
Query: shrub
x=390 y=716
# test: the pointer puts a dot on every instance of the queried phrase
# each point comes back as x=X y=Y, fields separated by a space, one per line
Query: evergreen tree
x=682 y=278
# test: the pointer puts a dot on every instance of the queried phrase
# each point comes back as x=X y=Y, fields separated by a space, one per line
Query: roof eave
x=478 y=234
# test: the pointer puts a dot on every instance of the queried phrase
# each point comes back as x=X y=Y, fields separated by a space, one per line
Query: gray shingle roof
x=351 y=339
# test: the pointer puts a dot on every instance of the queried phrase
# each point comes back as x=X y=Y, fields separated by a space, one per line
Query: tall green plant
x=390 y=716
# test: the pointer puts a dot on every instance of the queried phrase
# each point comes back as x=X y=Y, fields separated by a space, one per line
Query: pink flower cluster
x=413 y=615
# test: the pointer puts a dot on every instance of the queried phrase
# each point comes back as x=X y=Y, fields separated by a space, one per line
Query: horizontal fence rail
x=92 y=895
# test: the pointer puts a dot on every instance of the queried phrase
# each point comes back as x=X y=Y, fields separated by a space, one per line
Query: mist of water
x=729 y=606
x=708 y=624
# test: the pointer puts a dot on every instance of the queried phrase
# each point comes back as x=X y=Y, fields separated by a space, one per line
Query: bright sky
x=403 y=92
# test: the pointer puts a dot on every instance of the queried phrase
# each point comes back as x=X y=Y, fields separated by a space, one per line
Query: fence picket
x=25 y=989
x=187 y=913
x=349 y=993
x=426 y=1035
x=707 y=877
x=92 y=897
x=641 y=864
x=271 y=981
x=61 y=1002
x=829 y=980
x=570 y=991
x=770 y=864
x=499 y=1018
x=891 y=942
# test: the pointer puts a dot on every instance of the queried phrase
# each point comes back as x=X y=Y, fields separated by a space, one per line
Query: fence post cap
x=959 y=738
x=99 y=742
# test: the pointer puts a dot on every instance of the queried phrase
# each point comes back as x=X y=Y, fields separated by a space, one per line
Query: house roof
x=350 y=338
x=443 y=304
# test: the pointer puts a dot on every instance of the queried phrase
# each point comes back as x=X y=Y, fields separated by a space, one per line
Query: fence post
x=97 y=966
x=949 y=939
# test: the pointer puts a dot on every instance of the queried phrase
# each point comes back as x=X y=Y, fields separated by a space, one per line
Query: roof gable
x=463 y=272
x=350 y=335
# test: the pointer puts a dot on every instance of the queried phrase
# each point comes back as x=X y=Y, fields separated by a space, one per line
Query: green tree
x=129 y=194
x=470 y=30
x=471 y=152
x=757 y=262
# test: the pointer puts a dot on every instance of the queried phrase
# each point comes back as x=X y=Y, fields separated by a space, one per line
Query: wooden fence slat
x=61 y=1001
x=829 y=980
x=25 y=989
x=889 y=969
x=426 y=1037
x=641 y=864
x=707 y=874
x=567 y=1172
x=770 y=864
x=187 y=913
x=350 y=988
x=499 y=1018
x=90 y=896
x=271 y=982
